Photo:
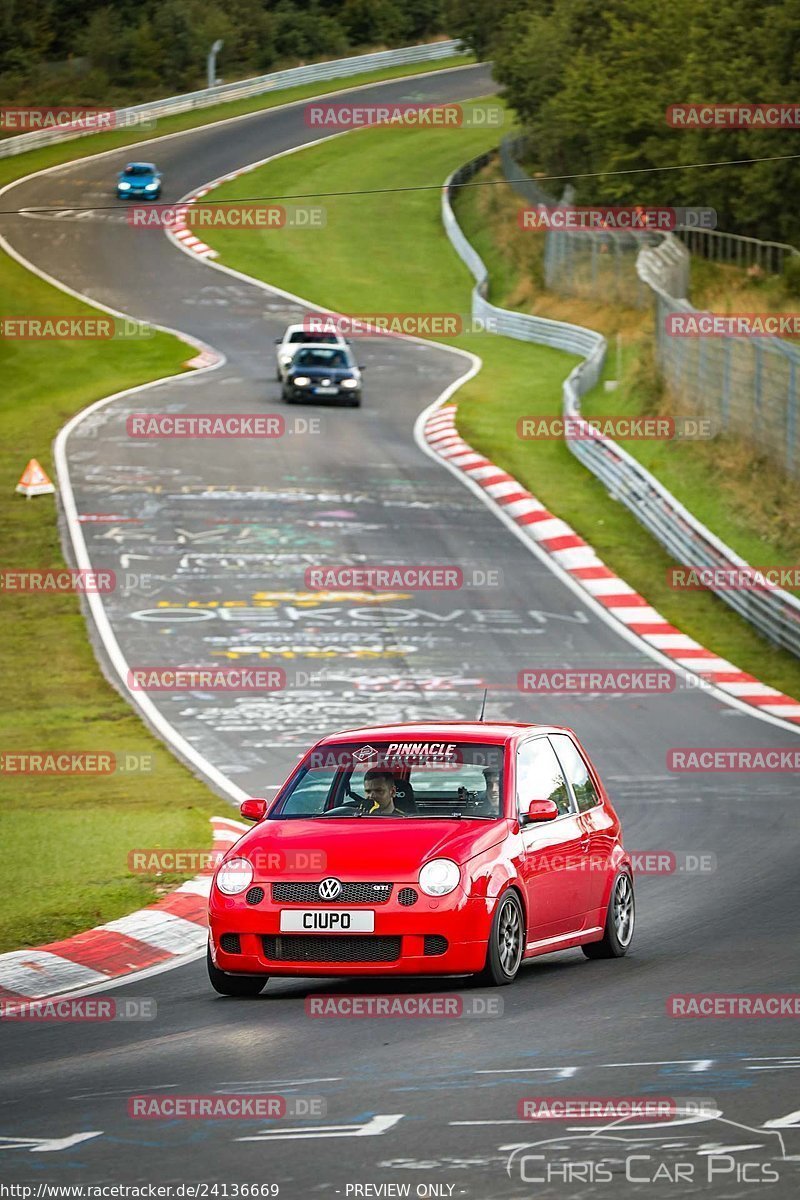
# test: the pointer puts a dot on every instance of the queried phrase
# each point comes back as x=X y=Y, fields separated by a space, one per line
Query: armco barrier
x=775 y=613
x=338 y=68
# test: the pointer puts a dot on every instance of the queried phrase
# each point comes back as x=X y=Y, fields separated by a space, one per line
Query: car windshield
x=320 y=358
x=138 y=169
x=301 y=335
x=397 y=779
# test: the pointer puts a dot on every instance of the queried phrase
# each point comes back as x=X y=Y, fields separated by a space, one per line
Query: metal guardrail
x=339 y=68
x=775 y=612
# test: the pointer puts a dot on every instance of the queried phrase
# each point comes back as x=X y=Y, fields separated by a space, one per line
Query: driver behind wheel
x=380 y=792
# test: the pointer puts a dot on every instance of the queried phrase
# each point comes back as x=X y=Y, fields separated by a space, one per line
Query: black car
x=323 y=372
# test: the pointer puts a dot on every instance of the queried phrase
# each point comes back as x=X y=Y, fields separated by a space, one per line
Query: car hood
x=365 y=847
x=322 y=372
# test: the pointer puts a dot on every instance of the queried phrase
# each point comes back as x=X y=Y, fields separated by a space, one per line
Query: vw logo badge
x=329 y=889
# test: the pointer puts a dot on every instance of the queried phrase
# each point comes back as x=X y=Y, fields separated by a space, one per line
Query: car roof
x=465 y=731
x=302 y=328
x=150 y=166
x=321 y=346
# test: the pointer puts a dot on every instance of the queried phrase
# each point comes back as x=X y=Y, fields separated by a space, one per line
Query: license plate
x=325 y=391
x=326 y=920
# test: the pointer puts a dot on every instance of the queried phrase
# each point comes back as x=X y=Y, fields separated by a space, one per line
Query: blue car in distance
x=141 y=180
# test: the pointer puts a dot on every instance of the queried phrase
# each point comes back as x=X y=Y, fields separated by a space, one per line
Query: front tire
x=506 y=944
x=234 y=985
x=620 y=920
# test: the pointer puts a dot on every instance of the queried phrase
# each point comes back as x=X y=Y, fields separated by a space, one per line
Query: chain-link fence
x=745 y=385
x=774 y=612
x=591 y=264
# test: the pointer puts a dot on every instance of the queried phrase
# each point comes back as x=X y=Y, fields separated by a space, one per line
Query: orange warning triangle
x=34 y=481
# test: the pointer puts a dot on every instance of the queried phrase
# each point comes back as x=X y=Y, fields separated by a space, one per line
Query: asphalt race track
x=233 y=525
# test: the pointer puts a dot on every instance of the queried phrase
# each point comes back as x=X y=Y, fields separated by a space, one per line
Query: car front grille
x=407 y=896
x=351 y=893
x=312 y=948
x=229 y=942
x=255 y=895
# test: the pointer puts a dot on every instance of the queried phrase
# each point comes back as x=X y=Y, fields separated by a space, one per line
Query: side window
x=539 y=775
x=576 y=771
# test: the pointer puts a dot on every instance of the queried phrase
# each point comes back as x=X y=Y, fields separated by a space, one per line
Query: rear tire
x=234 y=985
x=620 y=920
x=506 y=944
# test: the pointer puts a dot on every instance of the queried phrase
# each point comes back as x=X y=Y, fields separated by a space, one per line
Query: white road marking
x=562 y=1072
x=276 y=1083
x=373 y=1128
x=47 y=1145
x=790 y=1121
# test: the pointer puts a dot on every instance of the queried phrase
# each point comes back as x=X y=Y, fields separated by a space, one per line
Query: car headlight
x=124 y=187
x=439 y=877
x=301 y=381
x=350 y=383
x=150 y=187
x=234 y=876
x=286 y=359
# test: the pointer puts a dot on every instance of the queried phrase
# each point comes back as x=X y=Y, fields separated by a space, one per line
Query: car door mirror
x=539 y=810
x=255 y=809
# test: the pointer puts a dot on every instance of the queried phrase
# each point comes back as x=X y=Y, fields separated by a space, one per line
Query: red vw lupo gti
x=428 y=849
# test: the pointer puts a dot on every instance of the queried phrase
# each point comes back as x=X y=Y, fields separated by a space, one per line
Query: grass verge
x=388 y=253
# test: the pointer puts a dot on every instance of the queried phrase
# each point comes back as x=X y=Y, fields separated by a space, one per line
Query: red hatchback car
x=428 y=849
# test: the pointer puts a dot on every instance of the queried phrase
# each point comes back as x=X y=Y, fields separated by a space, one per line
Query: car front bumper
x=333 y=392
x=447 y=936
